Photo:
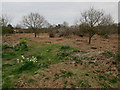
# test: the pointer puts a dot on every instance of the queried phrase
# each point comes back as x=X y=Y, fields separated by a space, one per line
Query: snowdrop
x=32 y=59
x=18 y=60
x=23 y=57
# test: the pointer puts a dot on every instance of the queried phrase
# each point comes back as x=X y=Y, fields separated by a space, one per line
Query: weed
x=102 y=71
x=105 y=85
x=117 y=56
x=69 y=73
x=31 y=80
x=21 y=46
x=113 y=62
x=8 y=83
x=63 y=71
x=92 y=66
x=77 y=60
x=76 y=50
x=64 y=86
x=110 y=53
x=102 y=76
x=65 y=47
x=96 y=64
x=51 y=35
x=47 y=78
x=63 y=55
x=90 y=62
x=65 y=82
x=73 y=85
x=86 y=74
x=83 y=52
x=119 y=69
x=75 y=64
x=48 y=42
x=4 y=47
x=92 y=58
x=15 y=51
x=85 y=84
x=97 y=70
x=85 y=57
x=113 y=80
x=56 y=76
x=79 y=82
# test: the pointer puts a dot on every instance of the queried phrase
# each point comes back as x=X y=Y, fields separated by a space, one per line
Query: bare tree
x=93 y=18
x=5 y=20
x=65 y=24
x=34 y=21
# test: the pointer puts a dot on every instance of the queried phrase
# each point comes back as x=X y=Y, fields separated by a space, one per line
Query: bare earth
x=99 y=42
x=95 y=49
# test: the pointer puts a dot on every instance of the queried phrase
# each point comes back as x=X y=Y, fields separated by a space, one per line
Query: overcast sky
x=56 y=12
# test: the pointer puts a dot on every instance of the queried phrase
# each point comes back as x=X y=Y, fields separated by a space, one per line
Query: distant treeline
x=65 y=31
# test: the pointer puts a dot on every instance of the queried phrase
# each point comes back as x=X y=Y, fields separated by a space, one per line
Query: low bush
x=113 y=80
x=4 y=47
x=26 y=63
x=6 y=30
x=51 y=35
x=64 y=32
x=117 y=56
x=10 y=52
x=21 y=46
x=63 y=54
x=65 y=47
x=110 y=53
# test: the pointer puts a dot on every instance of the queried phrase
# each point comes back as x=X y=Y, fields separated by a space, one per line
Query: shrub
x=86 y=74
x=102 y=76
x=69 y=73
x=6 y=47
x=117 y=56
x=63 y=54
x=21 y=46
x=64 y=32
x=65 y=47
x=110 y=53
x=31 y=80
x=113 y=80
x=27 y=63
x=6 y=30
x=77 y=60
x=51 y=34
x=56 y=75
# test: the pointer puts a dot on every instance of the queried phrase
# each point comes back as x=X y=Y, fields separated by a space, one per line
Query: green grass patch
x=10 y=52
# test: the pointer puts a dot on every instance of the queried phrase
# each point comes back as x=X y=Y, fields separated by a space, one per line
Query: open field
x=61 y=62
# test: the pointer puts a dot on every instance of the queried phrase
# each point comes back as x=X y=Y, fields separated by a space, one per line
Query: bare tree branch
x=34 y=21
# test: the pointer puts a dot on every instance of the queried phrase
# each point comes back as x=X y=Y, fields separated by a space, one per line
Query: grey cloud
x=56 y=12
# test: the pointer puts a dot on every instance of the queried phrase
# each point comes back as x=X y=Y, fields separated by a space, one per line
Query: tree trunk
x=91 y=34
x=35 y=34
x=90 y=39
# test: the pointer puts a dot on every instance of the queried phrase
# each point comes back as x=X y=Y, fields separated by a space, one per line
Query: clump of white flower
x=23 y=57
x=33 y=59
x=18 y=60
